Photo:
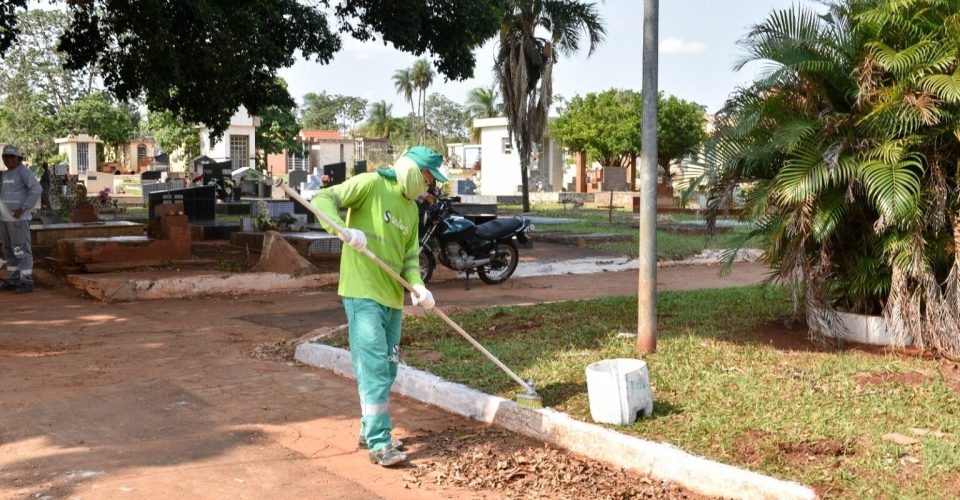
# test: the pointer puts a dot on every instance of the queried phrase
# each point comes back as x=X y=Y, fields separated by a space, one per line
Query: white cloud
x=678 y=46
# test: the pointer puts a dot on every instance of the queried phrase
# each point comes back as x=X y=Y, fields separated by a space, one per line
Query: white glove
x=355 y=238
x=422 y=297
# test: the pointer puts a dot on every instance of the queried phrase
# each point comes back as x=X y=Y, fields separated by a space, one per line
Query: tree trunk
x=526 y=184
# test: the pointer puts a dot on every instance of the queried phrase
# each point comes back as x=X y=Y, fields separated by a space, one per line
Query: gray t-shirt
x=19 y=188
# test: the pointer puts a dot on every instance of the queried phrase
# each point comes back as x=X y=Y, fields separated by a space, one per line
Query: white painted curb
x=658 y=460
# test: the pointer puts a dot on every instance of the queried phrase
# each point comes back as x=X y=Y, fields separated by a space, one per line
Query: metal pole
x=647 y=257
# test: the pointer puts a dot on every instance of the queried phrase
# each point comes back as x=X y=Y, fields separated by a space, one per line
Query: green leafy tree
x=848 y=148
x=177 y=138
x=482 y=102
x=524 y=64
x=319 y=111
x=195 y=58
x=96 y=115
x=36 y=86
x=28 y=121
x=277 y=132
x=380 y=120
x=33 y=60
x=350 y=111
x=680 y=131
x=332 y=111
x=445 y=121
x=606 y=125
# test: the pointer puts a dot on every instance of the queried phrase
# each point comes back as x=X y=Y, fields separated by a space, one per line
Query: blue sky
x=698 y=48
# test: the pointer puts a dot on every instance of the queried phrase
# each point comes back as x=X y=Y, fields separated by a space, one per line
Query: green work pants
x=375 y=349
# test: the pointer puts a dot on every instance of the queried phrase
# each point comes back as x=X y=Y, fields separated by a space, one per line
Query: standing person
x=45 y=205
x=382 y=209
x=19 y=192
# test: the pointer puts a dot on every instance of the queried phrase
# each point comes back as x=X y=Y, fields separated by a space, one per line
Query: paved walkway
x=161 y=400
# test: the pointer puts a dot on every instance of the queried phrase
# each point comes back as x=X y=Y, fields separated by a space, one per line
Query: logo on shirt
x=388 y=218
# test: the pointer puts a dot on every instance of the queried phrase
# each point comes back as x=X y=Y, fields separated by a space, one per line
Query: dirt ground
x=165 y=400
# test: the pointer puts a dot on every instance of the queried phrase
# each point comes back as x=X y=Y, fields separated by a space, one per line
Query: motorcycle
x=490 y=249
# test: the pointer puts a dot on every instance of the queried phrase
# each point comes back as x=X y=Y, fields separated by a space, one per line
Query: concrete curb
x=129 y=287
x=658 y=460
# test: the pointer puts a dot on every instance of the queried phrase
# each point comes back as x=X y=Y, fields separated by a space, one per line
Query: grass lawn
x=670 y=245
x=803 y=415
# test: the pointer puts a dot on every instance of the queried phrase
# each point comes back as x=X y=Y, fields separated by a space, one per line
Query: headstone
x=297 y=177
x=336 y=171
x=83 y=211
x=615 y=179
x=360 y=167
x=197 y=163
x=199 y=203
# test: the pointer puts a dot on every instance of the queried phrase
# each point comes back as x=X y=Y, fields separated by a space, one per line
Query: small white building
x=81 y=151
x=500 y=163
x=238 y=144
x=326 y=147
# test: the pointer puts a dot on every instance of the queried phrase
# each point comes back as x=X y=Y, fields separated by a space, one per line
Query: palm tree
x=380 y=122
x=482 y=102
x=849 y=146
x=403 y=82
x=422 y=75
x=524 y=59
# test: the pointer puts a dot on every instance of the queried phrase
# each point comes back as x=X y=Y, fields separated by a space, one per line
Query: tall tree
x=606 y=125
x=849 y=146
x=96 y=115
x=445 y=121
x=482 y=102
x=319 y=111
x=277 y=132
x=195 y=58
x=680 y=131
x=179 y=139
x=403 y=83
x=421 y=73
x=28 y=121
x=350 y=111
x=525 y=60
x=332 y=111
x=34 y=60
x=380 y=120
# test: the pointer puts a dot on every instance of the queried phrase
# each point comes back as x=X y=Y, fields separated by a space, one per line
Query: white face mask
x=412 y=183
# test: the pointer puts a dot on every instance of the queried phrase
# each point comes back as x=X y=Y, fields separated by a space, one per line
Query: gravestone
x=297 y=177
x=336 y=171
x=150 y=175
x=360 y=167
x=198 y=162
x=199 y=203
x=615 y=179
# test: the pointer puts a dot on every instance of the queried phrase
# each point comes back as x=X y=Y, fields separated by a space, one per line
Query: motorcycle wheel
x=427 y=264
x=503 y=266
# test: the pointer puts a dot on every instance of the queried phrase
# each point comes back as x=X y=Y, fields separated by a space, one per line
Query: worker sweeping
x=382 y=215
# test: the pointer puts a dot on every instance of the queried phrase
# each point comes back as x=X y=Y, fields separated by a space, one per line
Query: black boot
x=9 y=285
x=24 y=287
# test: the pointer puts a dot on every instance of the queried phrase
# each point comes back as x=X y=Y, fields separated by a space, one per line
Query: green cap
x=429 y=159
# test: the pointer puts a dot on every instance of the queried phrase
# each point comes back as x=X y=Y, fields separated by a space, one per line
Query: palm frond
x=945 y=87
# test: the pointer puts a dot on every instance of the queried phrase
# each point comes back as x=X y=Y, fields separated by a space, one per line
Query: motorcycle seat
x=498 y=228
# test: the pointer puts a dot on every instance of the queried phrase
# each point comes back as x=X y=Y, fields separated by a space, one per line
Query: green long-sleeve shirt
x=377 y=207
